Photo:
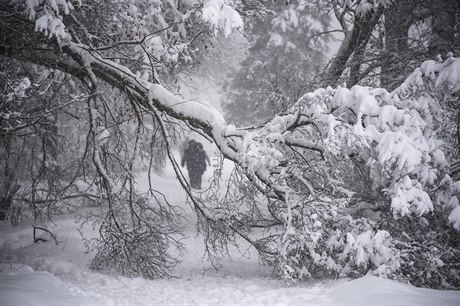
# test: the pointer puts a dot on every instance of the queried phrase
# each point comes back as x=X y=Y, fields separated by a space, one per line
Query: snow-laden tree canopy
x=338 y=181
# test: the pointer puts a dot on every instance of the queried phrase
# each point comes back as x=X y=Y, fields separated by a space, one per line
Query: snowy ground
x=50 y=274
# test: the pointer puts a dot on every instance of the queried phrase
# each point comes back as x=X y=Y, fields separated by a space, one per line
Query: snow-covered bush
x=354 y=173
x=324 y=241
x=402 y=139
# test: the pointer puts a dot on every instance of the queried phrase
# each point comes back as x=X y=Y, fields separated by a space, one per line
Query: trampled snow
x=48 y=274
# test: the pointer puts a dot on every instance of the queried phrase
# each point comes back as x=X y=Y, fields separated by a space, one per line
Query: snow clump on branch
x=49 y=18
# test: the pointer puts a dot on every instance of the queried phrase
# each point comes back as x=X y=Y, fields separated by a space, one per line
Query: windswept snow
x=50 y=274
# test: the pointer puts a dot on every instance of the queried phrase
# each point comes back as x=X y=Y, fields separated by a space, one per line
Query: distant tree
x=385 y=39
x=207 y=77
x=282 y=62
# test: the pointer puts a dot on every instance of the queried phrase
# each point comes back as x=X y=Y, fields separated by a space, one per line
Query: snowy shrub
x=354 y=172
x=319 y=240
x=400 y=138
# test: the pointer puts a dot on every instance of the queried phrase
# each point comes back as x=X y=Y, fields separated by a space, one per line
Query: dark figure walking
x=195 y=158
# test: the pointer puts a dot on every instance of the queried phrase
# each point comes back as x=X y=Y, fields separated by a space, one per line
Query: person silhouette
x=196 y=160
